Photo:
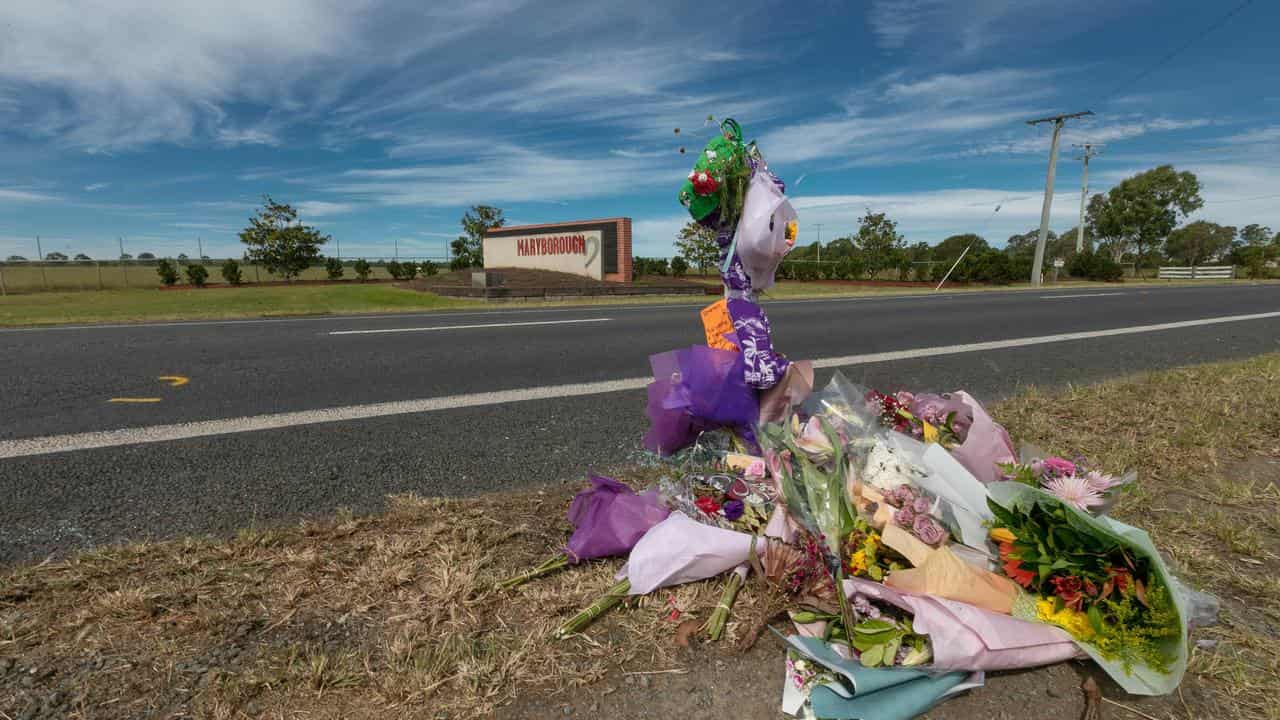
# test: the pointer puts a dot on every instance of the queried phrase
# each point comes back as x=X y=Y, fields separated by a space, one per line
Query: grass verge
x=396 y=615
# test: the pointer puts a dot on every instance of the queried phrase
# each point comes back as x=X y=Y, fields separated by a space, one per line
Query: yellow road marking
x=134 y=400
x=174 y=380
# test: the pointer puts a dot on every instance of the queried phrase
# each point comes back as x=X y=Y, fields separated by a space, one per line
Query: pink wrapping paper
x=680 y=550
x=986 y=444
x=964 y=637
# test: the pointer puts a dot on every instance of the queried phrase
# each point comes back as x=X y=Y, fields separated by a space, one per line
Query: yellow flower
x=1073 y=621
x=930 y=433
x=1002 y=535
x=858 y=562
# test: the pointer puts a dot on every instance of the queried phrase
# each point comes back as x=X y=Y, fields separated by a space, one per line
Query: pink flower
x=813 y=441
x=928 y=530
x=905 y=517
x=904 y=398
x=1056 y=466
x=755 y=470
x=1100 y=482
x=921 y=505
x=1074 y=491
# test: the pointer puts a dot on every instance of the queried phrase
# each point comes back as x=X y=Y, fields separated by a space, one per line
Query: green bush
x=362 y=269
x=921 y=273
x=197 y=275
x=994 y=267
x=333 y=268
x=679 y=266
x=167 y=271
x=1095 y=266
x=429 y=268
x=231 y=272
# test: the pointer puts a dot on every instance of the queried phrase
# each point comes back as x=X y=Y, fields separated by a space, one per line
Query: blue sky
x=164 y=122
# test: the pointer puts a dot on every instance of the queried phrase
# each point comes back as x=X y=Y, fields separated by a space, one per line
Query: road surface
x=269 y=420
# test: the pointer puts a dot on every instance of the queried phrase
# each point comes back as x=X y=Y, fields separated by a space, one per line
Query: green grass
x=134 y=305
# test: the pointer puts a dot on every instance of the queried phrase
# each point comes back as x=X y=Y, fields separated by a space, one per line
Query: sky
x=161 y=124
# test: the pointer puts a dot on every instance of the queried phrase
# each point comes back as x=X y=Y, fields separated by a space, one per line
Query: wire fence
x=19 y=275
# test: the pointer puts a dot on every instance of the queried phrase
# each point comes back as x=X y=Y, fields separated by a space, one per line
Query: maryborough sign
x=552 y=245
x=599 y=249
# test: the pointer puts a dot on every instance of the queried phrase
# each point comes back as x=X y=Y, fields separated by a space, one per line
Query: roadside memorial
x=914 y=545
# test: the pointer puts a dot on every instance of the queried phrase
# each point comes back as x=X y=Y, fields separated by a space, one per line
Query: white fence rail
x=1205 y=272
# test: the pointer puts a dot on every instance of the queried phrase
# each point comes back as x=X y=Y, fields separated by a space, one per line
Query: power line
x=1177 y=51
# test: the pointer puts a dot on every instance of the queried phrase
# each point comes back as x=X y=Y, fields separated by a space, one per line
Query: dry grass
x=395 y=616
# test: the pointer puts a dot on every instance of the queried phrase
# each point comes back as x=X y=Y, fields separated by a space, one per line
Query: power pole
x=199 y=248
x=819 y=226
x=1088 y=150
x=1058 y=121
x=124 y=264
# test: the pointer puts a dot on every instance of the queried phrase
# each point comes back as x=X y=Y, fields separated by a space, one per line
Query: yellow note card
x=717 y=323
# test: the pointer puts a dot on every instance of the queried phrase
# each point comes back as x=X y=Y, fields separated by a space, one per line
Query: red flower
x=1068 y=589
x=1013 y=567
x=703 y=182
x=708 y=505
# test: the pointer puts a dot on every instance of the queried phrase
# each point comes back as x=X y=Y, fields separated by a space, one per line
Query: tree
x=182 y=256
x=333 y=268
x=879 y=242
x=82 y=256
x=949 y=249
x=468 y=249
x=839 y=249
x=1144 y=209
x=55 y=256
x=697 y=245
x=126 y=256
x=362 y=269
x=231 y=272
x=279 y=242
x=146 y=256
x=679 y=266
x=1199 y=242
x=15 y=258
x=167 y=271
x=1096 y=226
x=197 y=275
x=1256 y=235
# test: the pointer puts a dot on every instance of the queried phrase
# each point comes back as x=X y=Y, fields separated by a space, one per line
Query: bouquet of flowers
x=1100 y=580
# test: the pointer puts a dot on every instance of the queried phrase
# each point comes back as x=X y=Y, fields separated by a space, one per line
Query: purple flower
x=921 y=505
x=732 y=509
x=904 y=398
x=928 y=530
x=905 y=517
x=1059 y=467
x=1037 y=468
x=863 y=607
x=902 y=496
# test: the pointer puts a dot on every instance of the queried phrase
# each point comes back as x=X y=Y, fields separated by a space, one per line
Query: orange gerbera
x=1013 y=567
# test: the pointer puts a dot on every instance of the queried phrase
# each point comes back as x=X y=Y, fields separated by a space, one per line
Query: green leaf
x=870 y=627
x=871 y=657
x=891 y=650
x=1095 y=619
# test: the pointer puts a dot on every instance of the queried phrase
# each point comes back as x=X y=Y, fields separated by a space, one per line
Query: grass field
x=21 y=277
x=132 y=305
x=396 y=615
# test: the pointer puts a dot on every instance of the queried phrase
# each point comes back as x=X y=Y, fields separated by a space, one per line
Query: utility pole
x=397 y=246
x=124 y=264
x=1088 y=150
x=1058 y=121
x=44 y=278
x=199 y=248
x=819 y=226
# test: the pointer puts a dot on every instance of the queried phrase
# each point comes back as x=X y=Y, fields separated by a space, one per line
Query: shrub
x=921 y=273
x=994 y=267
x=658 y=266
x=679 y=266
x=167 y=271
x=395 y=269
x=429 y=268
x=231 y=272
x=1095 y=266
x=362 y=269
x=333 y=268
x=197 y=275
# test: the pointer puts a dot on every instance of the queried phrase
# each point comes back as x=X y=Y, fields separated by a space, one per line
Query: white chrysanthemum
x=887 y=470
x=1075 y=491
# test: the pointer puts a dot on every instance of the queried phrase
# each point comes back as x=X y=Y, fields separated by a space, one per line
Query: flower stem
x=577 y=623
x=715 y=625
x=549 y=566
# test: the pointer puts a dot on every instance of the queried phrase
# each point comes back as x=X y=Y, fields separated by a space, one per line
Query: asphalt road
x=59 y=381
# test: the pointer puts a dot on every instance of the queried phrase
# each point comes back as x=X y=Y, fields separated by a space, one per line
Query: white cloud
x=655 y=237
x=130 y=72
x=321 y=208
x=504 y=174
x=24 y=196
x=949 y=88
x=94 y=187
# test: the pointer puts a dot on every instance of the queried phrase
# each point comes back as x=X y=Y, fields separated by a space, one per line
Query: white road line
x=1079 y=295
x=206 y=428
x=466 y=327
